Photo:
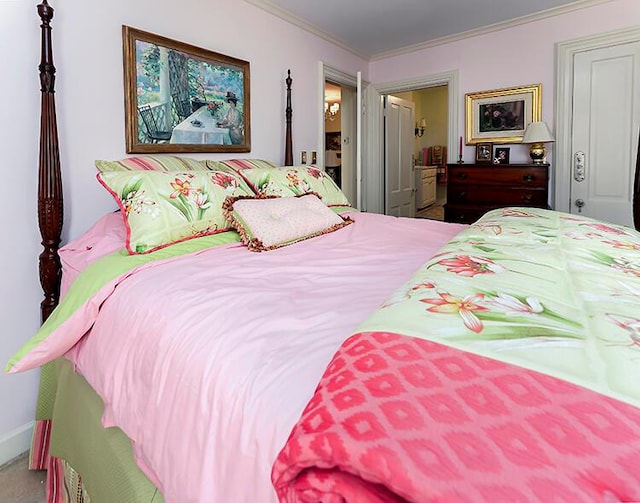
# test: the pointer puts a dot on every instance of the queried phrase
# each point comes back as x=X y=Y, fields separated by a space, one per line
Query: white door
x=398 y=148
x=606 y=117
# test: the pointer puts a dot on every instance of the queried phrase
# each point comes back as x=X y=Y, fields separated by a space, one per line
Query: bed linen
x=244 y=363
x=506 y=369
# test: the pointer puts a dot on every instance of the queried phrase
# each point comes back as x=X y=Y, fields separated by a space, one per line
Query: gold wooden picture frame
x=484 y=152
x=182 y=98
x=502 y=115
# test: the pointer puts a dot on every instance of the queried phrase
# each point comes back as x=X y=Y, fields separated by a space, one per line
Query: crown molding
x=305 y=25
x=530 y=18
x=277 y=11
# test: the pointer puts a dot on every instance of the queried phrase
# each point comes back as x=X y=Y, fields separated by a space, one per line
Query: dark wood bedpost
x=50 y=207
x=636 y=190
x=288 y=143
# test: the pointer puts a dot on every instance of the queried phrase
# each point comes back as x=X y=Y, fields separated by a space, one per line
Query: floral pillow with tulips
x=291 y=181
x=163 y=208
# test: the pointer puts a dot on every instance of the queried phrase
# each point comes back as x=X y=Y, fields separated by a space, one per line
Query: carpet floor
x=20 y=485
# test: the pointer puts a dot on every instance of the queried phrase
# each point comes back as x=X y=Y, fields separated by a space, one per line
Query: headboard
x=50 y=200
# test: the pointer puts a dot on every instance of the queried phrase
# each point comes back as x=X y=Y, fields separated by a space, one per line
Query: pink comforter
x=398 y=418
x=207 y=362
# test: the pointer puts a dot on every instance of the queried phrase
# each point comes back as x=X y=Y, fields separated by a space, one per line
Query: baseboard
x=15 y=442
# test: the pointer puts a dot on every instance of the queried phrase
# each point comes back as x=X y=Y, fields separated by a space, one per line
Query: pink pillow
x=267 y=223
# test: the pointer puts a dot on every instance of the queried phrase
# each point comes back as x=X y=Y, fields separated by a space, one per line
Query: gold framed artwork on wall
x=502 y=115
x=182 y=98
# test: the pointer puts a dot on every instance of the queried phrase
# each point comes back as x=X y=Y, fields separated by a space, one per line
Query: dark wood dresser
x=474 y=189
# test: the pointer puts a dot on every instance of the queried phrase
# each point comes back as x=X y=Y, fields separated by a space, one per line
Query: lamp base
x=537 y=152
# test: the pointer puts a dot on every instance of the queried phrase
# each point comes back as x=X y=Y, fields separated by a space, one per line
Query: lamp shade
x=537 y=132
x=331 y=159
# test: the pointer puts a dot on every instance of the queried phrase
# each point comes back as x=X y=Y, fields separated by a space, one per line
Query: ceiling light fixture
x=331 y=110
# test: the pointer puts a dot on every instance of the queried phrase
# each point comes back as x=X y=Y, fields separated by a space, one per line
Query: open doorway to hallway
x=429 y=169
x=340 y=130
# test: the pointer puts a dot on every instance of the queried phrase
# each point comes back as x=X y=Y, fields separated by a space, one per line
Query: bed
x=381 y=359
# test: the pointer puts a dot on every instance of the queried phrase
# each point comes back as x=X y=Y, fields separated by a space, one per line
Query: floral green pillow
x=151 y=163
x=162 y=208
x=293 y=181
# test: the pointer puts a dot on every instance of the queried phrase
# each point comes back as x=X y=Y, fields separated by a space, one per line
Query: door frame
x=373 y=157
x=565 y=52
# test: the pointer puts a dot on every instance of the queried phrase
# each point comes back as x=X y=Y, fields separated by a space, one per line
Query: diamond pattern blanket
x=506 y=369
x=398 y=418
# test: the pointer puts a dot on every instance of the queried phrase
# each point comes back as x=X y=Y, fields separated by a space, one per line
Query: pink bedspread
x=207 y=362
x=398 y=418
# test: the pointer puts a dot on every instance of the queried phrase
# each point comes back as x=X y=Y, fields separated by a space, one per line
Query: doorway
x=351 y=128
x=427 y=162
x=373 y=162
x=339 y=141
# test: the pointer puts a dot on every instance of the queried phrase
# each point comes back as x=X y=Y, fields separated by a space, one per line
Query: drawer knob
x=462 y=195
x=529 y=178
x=462 y=175
x=527 y=198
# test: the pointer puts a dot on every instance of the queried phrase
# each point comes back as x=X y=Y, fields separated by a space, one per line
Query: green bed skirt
x=68 y=418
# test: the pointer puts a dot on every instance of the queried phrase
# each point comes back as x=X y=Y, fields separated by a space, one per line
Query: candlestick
x=460 y=161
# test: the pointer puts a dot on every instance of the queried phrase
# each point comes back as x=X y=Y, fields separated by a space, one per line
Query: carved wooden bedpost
x=636 y=190
x=288 y=143
x=50 y=207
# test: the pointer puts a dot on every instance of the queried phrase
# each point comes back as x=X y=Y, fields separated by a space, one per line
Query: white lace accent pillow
x=267 y=223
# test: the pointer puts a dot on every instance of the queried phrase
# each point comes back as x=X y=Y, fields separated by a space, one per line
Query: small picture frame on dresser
x=501 y=155
x=484 y=152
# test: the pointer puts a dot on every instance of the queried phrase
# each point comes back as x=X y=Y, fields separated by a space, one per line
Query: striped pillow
x=238 y=165
x=167 y=163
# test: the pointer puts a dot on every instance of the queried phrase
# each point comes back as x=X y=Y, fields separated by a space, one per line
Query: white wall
x=519 y=55
x=88 y=57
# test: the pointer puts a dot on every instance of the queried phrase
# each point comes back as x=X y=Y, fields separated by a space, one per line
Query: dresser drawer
x=461 y=214
x=505 y=177
x=496 y=195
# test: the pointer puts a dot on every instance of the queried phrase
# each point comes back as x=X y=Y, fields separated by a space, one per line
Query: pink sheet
x=106 y=236
x=207 y=362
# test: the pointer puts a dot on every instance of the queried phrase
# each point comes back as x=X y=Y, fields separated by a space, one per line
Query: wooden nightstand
x=474 y=189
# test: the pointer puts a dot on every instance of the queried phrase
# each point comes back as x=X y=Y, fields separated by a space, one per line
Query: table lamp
x=537 y=134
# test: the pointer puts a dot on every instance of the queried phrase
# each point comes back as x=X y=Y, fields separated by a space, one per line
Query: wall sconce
x=419 y=131
x=537 y=134
x=330 y=111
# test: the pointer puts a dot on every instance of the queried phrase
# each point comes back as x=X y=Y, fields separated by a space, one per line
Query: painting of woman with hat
x=233 y=120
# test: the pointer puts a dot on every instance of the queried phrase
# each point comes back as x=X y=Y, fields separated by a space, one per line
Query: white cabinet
x=425 y=185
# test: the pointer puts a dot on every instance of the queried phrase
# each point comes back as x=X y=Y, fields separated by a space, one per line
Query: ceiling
x=373 y=28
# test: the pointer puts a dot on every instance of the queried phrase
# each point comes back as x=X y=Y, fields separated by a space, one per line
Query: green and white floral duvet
x=549 y=291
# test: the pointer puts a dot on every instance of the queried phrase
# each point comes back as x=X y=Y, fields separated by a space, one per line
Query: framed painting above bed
x=182 y=98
